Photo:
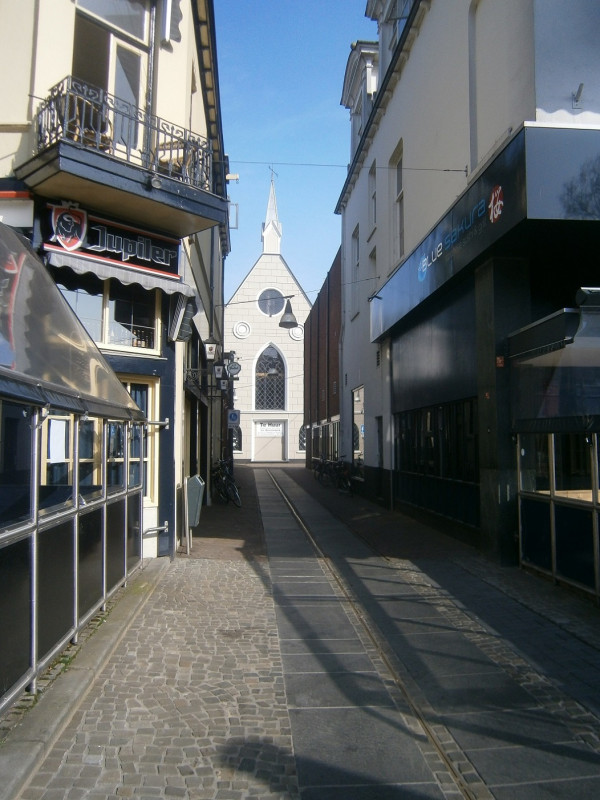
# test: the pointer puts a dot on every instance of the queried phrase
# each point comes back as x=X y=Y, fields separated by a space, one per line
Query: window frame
x=398 y=245
x=262 y=385
x=150 y=440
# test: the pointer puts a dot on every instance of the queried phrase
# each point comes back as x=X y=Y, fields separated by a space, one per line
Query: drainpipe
x=150 y=83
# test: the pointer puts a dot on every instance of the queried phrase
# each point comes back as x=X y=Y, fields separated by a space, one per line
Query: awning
x=104 y=268
x=555 y=372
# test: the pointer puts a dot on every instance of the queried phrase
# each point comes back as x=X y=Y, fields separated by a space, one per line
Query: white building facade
x=467 y=216
x=269 y=392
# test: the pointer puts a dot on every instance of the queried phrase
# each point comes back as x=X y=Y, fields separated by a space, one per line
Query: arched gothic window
x=237 y=438
x=302 y=438
x=270 y=381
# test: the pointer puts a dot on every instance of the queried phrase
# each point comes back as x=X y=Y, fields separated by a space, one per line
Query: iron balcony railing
x=91 y=117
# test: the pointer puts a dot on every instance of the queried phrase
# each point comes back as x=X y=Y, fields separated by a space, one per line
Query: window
x=355 y=265
x=116 y=33
x=373 y=195
x=398 y=16
x=56 y=483
x=357 y=122
x=237 y=439
x=440 y=441
x=131 y=316
x=397 y=197
x=90 y=458
x=302 y=438
x=271 y=302
x=114 y=315
x=128 y=16
x=143 y=446
x=270 y=381
x=115 y=456
x=15 y=462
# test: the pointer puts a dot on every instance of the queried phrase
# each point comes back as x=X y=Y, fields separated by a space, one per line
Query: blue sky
x=281 y=71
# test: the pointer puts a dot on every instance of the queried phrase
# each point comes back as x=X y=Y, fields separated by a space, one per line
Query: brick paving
x=192 y=702
x=198 y=699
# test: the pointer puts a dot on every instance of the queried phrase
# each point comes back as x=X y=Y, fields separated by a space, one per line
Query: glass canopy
x=46 y=355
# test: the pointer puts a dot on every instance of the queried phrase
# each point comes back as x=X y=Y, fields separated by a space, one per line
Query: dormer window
x=397 y=16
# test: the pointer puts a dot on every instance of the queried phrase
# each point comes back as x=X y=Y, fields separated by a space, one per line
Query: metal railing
x=92 y=118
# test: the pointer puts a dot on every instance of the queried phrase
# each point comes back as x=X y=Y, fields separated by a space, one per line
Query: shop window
x=115 y=456
x=85 y=295
x=439 y=441
x=56 y=484
x=114 y=315
x=143 y=444
x=270 y=381
x=15 y=462
x=534 y=462
x=131 y=316
x=573 y=465
x=90 y=459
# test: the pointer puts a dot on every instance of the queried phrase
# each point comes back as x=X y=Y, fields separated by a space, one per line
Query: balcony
x=111 y=157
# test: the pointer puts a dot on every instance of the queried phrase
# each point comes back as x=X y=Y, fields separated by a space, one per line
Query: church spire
x=271 y=229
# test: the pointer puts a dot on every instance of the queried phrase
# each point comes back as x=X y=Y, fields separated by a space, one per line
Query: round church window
x=271 y=302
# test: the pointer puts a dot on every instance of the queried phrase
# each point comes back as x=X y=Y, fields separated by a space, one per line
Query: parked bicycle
x=223 y=485
x=342 y=476
x=335 y=473
x=323 y=471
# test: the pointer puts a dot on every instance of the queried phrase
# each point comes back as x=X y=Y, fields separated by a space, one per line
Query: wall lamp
x=154 y=181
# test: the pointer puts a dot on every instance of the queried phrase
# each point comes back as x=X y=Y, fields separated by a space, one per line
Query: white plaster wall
x=33 y=57
x=567 y=53
x=476 y=70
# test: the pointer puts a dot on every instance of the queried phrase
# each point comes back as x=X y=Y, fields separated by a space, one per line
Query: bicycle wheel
x=344 y=484
x=233 y=493
x=325 y=476
x=220 y=488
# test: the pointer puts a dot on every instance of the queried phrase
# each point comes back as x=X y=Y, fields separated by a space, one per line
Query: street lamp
x=288 y=320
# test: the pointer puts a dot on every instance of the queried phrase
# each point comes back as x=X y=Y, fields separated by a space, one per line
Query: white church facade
x=269 y=392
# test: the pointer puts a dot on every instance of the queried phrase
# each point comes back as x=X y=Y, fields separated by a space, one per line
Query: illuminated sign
x=76 y=231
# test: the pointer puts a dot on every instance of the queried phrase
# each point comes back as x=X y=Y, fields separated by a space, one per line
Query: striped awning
x=104 y=268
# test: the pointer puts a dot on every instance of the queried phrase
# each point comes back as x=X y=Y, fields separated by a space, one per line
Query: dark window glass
x=132 y=316
x=439 y=441
x=115 y=462
x=84 y=293
x=15 y=462
x=90 y=457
